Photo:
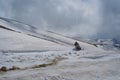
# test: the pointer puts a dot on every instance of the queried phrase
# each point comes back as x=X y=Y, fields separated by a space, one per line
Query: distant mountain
x=107 y=44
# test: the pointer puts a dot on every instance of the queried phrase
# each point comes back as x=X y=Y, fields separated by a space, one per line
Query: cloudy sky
x=86 y=18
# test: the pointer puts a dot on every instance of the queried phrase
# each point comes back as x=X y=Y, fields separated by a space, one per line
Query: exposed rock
x=14 y=68
x=4 y=68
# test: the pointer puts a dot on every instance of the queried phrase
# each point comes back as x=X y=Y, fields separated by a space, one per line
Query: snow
x=46 y=35
x=18 y=41
x=70 y=41
x=28 y=50
x=80 y=65
x=27 y=59
x=107 y=44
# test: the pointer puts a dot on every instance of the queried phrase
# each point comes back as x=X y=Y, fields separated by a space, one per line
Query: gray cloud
x=111 y=19
x=86 y=18
x=6 y=8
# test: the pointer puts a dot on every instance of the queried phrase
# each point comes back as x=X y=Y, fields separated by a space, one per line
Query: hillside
x=13 y=32
x=31 y=55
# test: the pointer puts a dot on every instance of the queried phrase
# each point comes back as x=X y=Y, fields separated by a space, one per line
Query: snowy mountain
x=107 y=44
x=15 y=35
x=26 y=54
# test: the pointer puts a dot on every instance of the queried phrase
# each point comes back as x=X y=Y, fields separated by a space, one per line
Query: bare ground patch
x=50 y=63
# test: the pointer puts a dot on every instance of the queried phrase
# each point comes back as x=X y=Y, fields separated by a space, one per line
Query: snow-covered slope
x=16 y=36
x=10 y=40
x=49 y=56
x=25 y=34
x=16 y=25
x=61 y=65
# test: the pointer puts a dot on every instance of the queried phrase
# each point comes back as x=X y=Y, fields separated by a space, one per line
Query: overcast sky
x=86 y=18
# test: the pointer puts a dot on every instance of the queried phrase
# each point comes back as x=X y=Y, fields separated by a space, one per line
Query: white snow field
x=49 y=56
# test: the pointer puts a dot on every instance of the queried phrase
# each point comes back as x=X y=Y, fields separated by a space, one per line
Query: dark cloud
x=111 y=19
x=86 y=18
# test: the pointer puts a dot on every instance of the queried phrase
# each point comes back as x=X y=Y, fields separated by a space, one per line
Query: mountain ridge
x=49 y=36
